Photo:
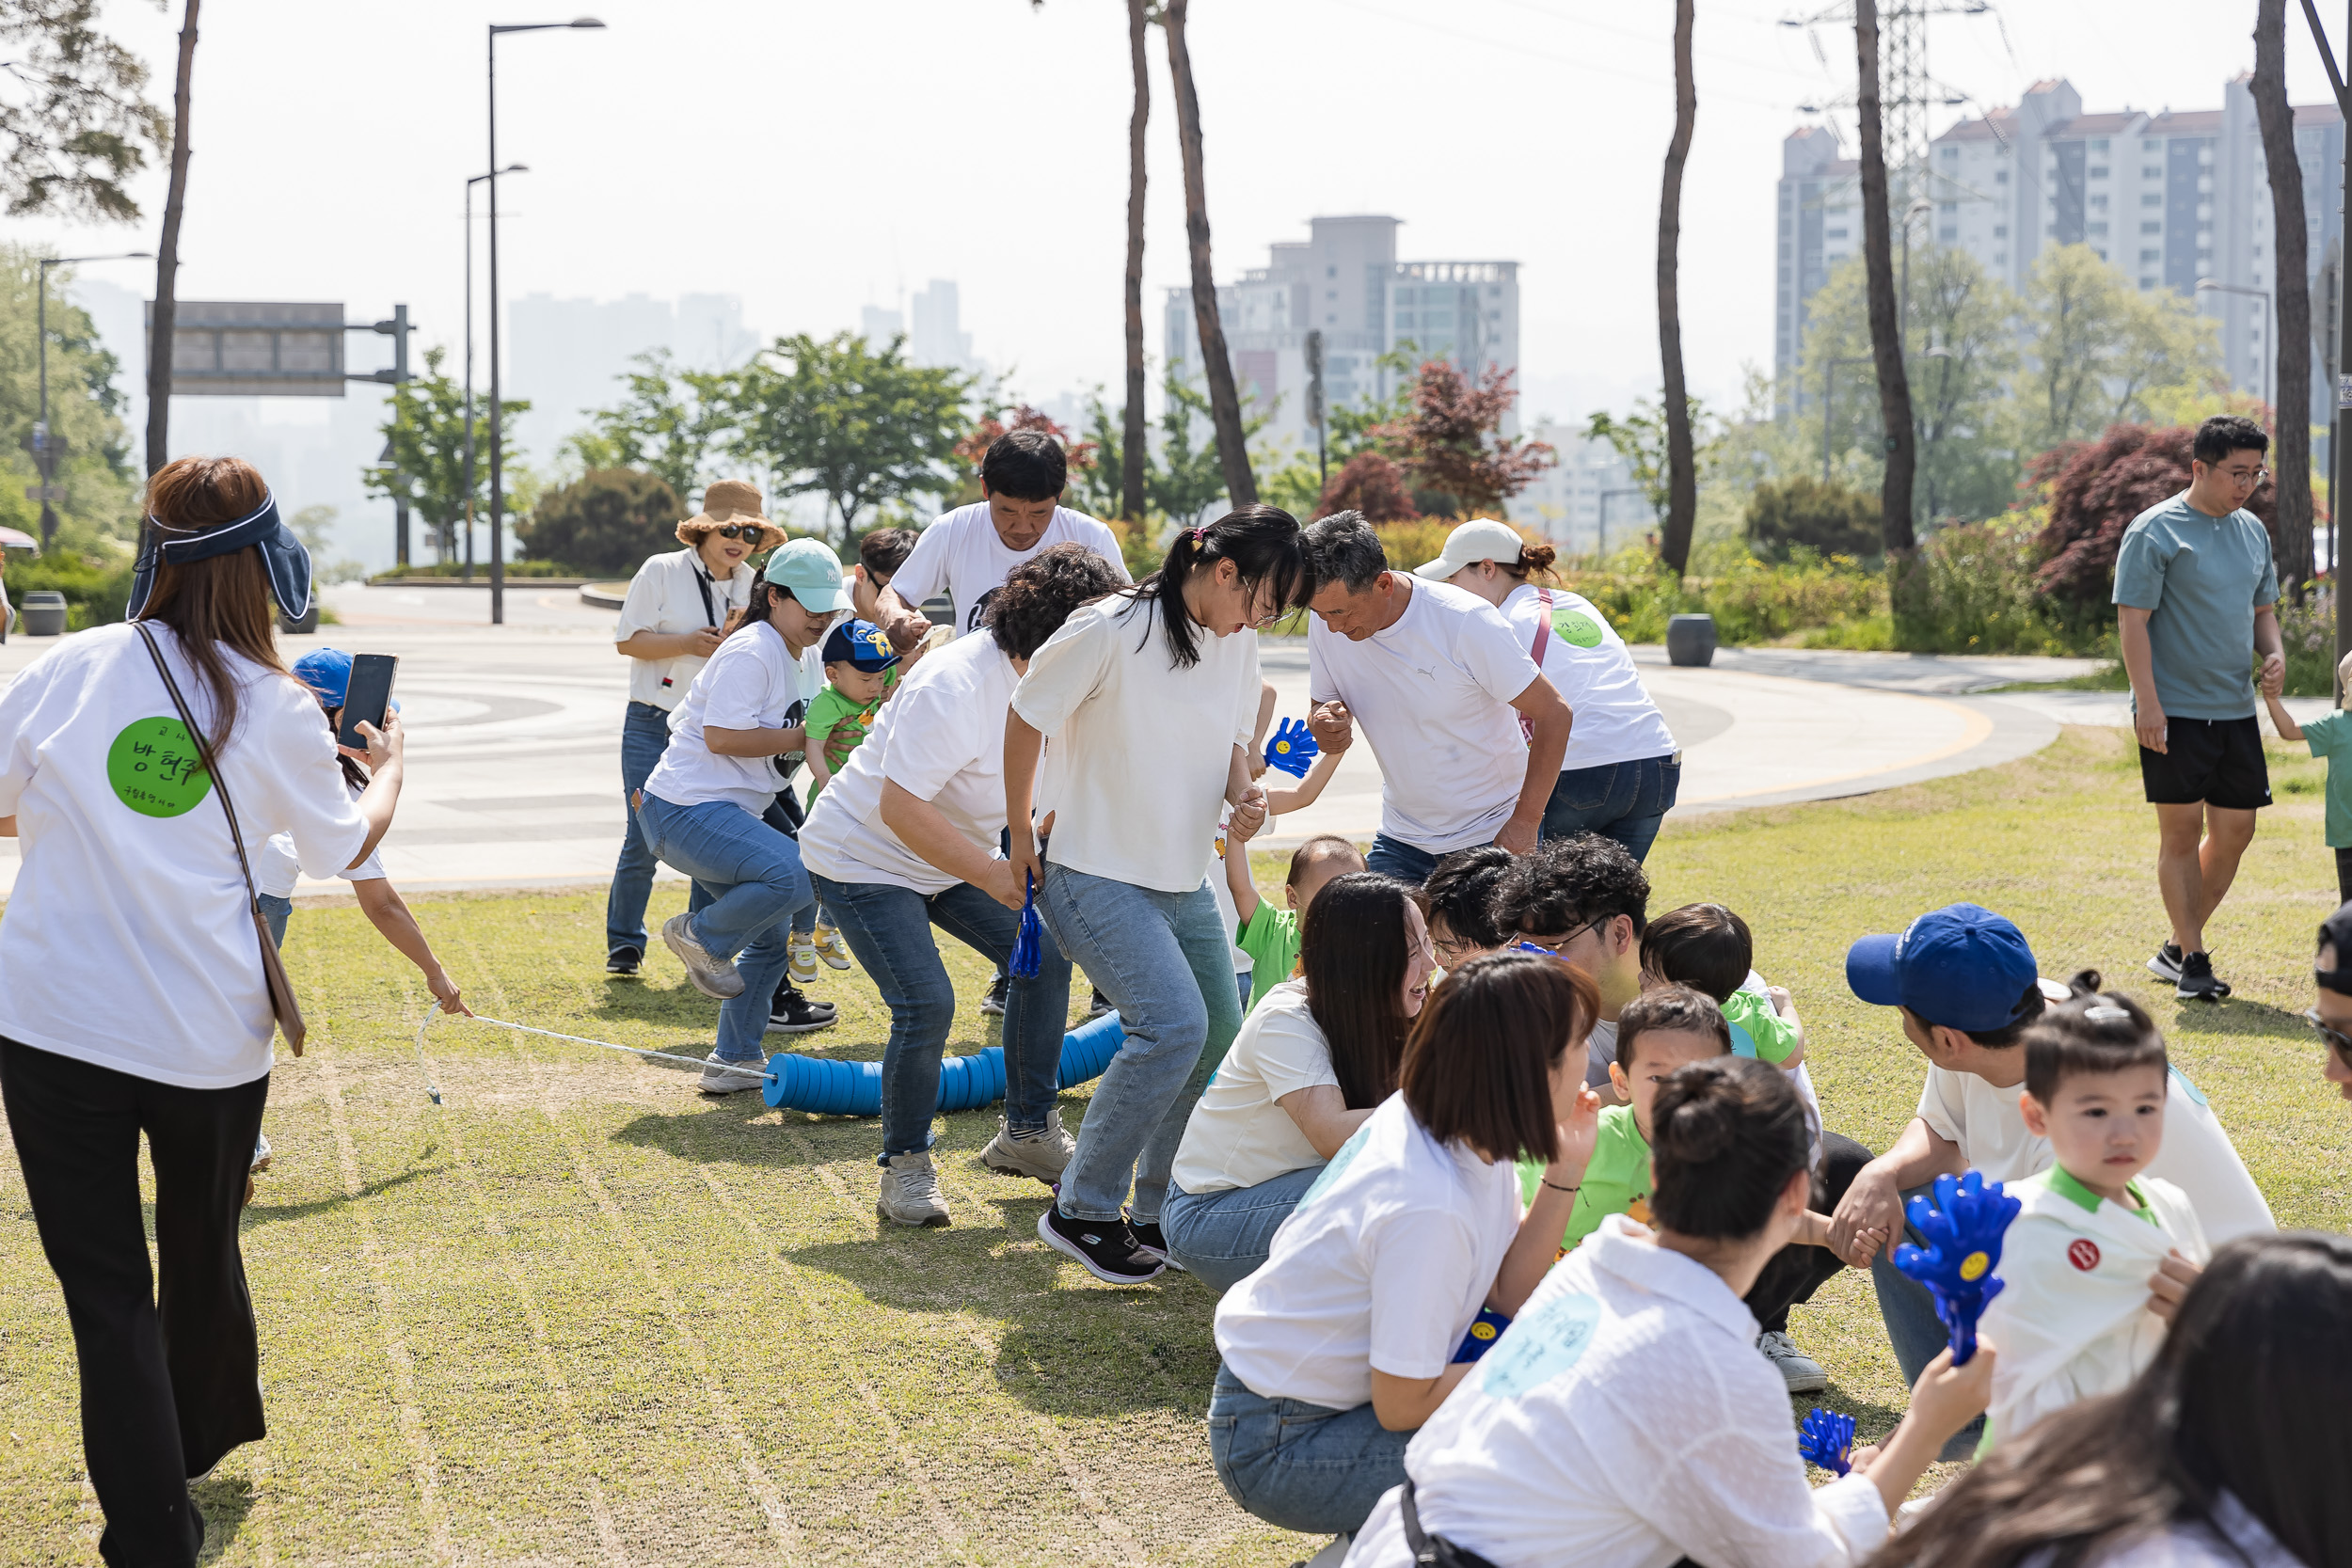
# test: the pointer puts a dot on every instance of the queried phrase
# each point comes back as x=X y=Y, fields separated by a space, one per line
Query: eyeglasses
x=1559 y=946
x=2254 y=478
x=2329 y=1032
x=740 y=530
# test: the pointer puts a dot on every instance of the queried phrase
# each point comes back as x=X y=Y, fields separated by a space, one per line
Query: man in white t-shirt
x=1439 y=682
x=1969 y=988
x=968 y=553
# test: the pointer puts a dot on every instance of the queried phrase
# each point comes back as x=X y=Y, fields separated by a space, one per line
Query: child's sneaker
x=803 y=969
x=831 y=948
x=1106 y=1249
x=994 y=1003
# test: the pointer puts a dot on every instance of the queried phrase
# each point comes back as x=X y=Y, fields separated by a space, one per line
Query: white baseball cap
x=1479 y=539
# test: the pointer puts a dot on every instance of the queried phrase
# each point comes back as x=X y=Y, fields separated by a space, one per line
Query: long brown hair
x=2247 y=1396
x=221 y=601
x=1478 y=1063
x=1351 y=948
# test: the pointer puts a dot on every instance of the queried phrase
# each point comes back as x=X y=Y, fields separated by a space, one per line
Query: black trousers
x=1796 y=1272
x=2343 y=876
x=170 y=1379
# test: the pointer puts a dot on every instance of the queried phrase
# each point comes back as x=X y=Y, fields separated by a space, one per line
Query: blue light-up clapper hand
x=1028 y=945
x=1826 y=1438
x=1291 y=747
x=1963 y=1228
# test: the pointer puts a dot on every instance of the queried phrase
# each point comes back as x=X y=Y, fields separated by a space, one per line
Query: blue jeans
x=1407 y=862
x=1222 y=1237
x=1302 y=1467
x=887 y=926
x=275 y=909
x=1164 y=961
x=753 y=878
x=1624 y=800
x=1913 y=1328
x=644 y=736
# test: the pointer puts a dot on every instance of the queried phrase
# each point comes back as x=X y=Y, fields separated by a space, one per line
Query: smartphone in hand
x=365 y=698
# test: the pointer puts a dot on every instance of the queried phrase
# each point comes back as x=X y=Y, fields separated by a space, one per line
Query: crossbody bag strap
x=204 y=759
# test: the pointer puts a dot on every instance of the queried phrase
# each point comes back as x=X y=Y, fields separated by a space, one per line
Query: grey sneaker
x=1043 y=1154
x=910 y=1191
x=1802 y=1374
x=720 y=1077
x=711 y=976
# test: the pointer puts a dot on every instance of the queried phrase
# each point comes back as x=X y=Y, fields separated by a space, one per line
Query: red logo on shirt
x=2083 y=1253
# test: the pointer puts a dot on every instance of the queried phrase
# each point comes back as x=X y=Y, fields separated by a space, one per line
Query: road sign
x=239 y=348
x=44 y=492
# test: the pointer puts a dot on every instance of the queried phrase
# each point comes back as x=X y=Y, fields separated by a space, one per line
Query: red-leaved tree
x=2097 y=487
x=1372 y=484
x=1079 y=454
x=1451 y=440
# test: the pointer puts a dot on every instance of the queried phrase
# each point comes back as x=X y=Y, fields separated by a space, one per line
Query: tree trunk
x=1232 y=452
x=167 y=259
x=1886 y=336
x=1132 y=451
x=1682 y=481
x=2291 y=416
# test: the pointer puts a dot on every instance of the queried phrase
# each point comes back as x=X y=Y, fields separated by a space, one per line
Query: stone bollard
x=1691 y=641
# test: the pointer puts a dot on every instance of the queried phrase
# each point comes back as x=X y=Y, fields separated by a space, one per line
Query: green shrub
x=1827 y=518
x=2309 y=632
x=1972 y=589
x=606 y=522
x=1752 y=601
x=95 y=594
x=529 y=568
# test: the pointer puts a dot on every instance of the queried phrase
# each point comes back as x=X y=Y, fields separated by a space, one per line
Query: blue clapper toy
x=1484 y=1330
x=1826 y=1438
x=1027 y=946
x=1963 y=1228
x=1291 y=747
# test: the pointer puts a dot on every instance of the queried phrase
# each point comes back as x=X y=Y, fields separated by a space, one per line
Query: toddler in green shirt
x=860 y=669
x=2330 y=736
x=1268 y=935
x=1709 y=948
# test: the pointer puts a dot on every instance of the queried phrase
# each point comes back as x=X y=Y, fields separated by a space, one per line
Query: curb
x=603 y=595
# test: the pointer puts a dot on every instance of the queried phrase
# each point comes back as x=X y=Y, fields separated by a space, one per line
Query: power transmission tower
x=1906 y=90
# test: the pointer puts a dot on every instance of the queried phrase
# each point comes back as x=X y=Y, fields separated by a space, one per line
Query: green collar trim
x=2062 y=1182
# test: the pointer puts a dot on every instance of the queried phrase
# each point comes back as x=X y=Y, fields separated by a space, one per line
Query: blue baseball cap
x=860 y=644
x=1961 y=966
x=327 y=672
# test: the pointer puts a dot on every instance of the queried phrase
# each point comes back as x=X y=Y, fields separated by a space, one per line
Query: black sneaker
x=1150 y=1239
x=791 y=998
x=1106 y=1249
x=2166 y=965
x=624 y=960
x=1099 y=1005
x=2197 y=983
x=795 y=1014
x=993 y=1002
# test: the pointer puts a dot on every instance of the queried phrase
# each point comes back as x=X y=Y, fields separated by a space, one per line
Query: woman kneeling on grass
x=1312 y=1062
x=1623 y=1420
x=1342 y=1344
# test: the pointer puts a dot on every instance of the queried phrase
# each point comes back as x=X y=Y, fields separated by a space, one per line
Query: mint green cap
x=812 y=571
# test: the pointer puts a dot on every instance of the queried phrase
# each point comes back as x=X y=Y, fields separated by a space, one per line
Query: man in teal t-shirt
x=2196 y=593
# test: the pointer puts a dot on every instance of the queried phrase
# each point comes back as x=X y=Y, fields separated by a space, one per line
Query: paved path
x=515 y=754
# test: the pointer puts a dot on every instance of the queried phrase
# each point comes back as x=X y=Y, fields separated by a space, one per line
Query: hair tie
x=2107 y=1012
x=1199 y=534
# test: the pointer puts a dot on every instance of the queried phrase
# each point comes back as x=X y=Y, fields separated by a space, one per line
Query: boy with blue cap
x=1967 y=987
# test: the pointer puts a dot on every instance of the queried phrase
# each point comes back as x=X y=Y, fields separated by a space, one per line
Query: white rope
x=747 y=1069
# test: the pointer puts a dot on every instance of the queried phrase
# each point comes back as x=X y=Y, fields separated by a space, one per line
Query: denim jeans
x=1407 y=862
x=275 y=909
x=887 y=926
x=644 y=736
x=1302 y=1467
x=753 y=878
x=1624 y=800
x=1913 y=1327
x=1221 y=1238
x=1164 y=961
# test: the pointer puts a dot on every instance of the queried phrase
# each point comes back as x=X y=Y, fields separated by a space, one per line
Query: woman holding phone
x=123 y=817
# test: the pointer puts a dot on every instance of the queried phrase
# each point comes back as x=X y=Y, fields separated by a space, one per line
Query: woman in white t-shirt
x=672 y=620
x=904 y=839
x=1359 y=1324
x=1621 y=770
x=702 y=807
x=133 y=997
x=1624 y=1419
x=1312 y=1062
x=1151 y=697
x=2229 y=1451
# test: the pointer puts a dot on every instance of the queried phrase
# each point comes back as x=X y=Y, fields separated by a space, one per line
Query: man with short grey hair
x=1440 y=685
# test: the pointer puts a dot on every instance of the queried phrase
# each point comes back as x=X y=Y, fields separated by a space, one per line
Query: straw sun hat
x=730 y=500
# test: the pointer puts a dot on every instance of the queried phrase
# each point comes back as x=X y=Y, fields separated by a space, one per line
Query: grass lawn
x=582 y=1314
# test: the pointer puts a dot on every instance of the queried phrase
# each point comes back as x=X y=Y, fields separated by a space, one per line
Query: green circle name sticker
x=152 y=766
x=1576 y=628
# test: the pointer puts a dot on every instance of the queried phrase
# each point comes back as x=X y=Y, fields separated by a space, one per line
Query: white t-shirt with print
x=1146 y=748
x=667 y=596
x=1431 y=694
x=754 y=682
x=963 y=556
x=1239 y=1135
x=941 y=738
x=1383 y=1265
x=1593 y=670
x=127 y=943
x=280 y=870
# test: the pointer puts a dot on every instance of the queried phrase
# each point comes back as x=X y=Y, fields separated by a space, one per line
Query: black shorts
x=2213 y=761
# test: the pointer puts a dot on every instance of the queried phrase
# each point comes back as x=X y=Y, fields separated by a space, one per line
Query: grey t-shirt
x=2202 y=578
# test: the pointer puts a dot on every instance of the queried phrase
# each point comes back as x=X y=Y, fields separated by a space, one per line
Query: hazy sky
x=814 y=158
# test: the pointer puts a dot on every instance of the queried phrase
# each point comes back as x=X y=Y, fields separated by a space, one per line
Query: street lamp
x=45 y=450
x=498 y=499
x=2211 y=285
x=470 y=182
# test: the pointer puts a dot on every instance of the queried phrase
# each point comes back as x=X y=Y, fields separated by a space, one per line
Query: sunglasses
x=745 y=532
x=2333 y=1036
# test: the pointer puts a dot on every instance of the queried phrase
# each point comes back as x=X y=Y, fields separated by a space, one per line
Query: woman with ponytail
x=1150 y=696
x=1625 y=1419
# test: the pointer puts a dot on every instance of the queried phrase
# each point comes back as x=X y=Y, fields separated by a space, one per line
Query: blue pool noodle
x=833 y=1089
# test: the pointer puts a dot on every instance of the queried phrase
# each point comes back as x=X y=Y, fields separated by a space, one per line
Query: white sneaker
x=720 y=1077
x=712 y=977
x=1802 y=1374
x=910 y=1191
x=803 y=959
x=1043 y=1154
x=260 y=1152
x=831 y=948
